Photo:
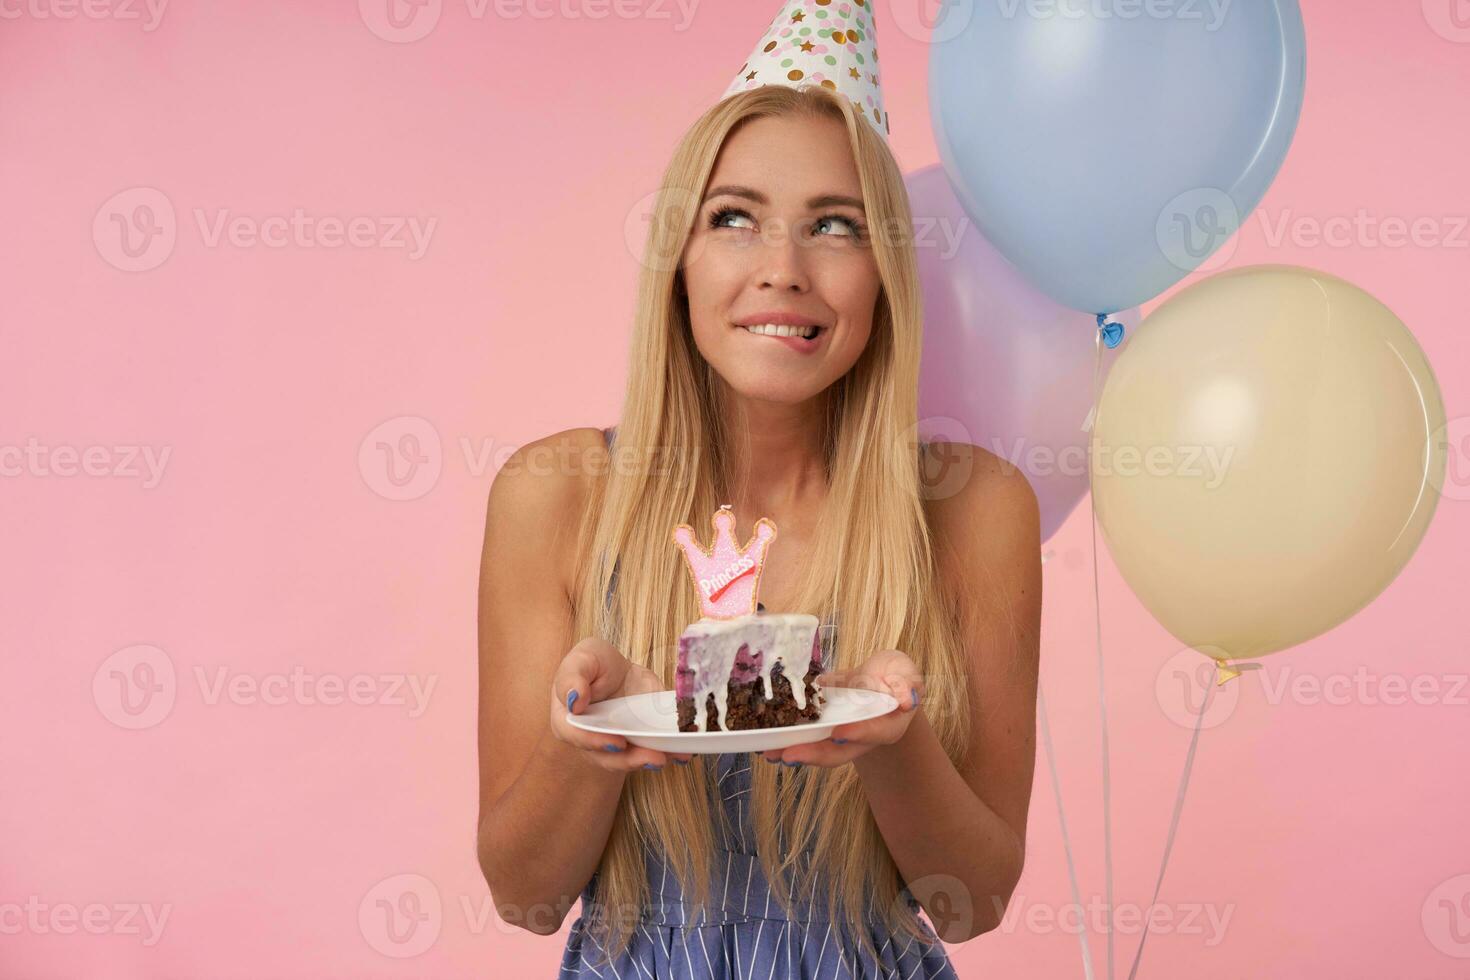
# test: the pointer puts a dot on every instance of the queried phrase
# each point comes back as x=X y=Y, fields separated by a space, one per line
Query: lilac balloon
x=1005 y=366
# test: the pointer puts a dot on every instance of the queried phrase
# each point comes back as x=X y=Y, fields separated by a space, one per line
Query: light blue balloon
x=1109 y=147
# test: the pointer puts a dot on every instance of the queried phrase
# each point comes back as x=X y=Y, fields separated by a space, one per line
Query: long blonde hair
x=871 y=560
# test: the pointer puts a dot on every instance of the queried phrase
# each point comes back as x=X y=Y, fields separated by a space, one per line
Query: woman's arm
x=545 y=813
x=958 y=836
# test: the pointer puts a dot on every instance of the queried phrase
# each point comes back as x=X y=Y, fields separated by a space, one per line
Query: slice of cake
x=739 y=666
x=736 y=674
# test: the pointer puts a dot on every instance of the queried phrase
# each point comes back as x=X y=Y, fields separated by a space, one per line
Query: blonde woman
x=781 y=206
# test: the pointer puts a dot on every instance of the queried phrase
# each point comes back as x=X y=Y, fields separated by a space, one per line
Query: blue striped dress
x=743 y=933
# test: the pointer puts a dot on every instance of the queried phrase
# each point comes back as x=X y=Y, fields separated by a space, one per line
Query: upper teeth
x=781 y=330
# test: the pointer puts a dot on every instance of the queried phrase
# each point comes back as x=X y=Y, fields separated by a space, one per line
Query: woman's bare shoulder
x=543 y=486
x=559 y=467
x=972 y=493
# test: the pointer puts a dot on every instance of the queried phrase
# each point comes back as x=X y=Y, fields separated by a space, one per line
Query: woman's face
x=781 y=241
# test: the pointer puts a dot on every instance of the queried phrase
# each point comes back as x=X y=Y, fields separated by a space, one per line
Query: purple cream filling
x=697 y=660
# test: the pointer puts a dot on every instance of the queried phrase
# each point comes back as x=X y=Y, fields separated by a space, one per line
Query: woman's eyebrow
x=751 y=194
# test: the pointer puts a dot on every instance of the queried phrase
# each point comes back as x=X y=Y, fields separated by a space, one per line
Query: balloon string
x=1178 y=810
x=1102 y=696
x=1056 y=785
x=1107 y=790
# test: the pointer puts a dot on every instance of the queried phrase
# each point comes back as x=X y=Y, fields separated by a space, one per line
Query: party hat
x=820 y=42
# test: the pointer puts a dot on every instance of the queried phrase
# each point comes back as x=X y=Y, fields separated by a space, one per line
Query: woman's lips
x=799 y=344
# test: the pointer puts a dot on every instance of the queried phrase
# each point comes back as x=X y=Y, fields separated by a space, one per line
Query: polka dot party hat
x=820 y=42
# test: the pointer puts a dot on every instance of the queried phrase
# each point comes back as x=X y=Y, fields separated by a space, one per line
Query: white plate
x=652 y=721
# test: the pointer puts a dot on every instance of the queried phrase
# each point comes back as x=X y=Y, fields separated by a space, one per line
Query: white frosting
x=784 y=637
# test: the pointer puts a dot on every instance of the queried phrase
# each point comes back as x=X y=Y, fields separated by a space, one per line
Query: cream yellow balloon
x=1265 y=457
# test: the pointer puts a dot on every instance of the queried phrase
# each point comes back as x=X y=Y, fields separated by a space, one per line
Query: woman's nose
x=784 y=263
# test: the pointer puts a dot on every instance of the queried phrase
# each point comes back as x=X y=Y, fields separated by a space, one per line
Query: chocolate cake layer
x=747 y=706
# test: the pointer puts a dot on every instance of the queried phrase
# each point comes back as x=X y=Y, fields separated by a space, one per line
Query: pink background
x=279 y=540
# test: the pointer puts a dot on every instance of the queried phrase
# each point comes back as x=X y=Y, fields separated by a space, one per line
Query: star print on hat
x=820 y=42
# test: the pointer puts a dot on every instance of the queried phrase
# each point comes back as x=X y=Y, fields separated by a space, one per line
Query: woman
x=781 y=206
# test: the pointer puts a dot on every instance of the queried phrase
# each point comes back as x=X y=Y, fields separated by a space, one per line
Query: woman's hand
x=891 y=672
x=592 y=671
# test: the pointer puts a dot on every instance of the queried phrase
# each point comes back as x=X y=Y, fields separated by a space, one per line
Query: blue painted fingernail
x=791 y=764
x=612 y=748
x=682 y=762
x=571 y=696
x=649 y=765
x=915 y=692
x=840 y=741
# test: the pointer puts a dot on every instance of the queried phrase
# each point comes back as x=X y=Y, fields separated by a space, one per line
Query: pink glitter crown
x=727 y=576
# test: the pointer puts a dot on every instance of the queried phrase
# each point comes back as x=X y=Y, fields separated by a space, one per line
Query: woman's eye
x=847 y=223
x=719 y=218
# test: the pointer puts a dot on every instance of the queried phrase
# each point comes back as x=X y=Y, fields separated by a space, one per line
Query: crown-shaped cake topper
x=727 y=576
x=820 y=42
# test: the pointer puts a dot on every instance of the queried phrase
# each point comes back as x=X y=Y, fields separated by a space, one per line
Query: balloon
x=1108 y=153
x=1010 y=366
x=1266 y=457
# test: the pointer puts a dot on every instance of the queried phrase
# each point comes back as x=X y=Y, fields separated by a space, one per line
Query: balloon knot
x=1229 y=671
x=1112 y=333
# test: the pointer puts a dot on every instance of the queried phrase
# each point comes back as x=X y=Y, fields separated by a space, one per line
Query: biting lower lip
x=816 y=335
